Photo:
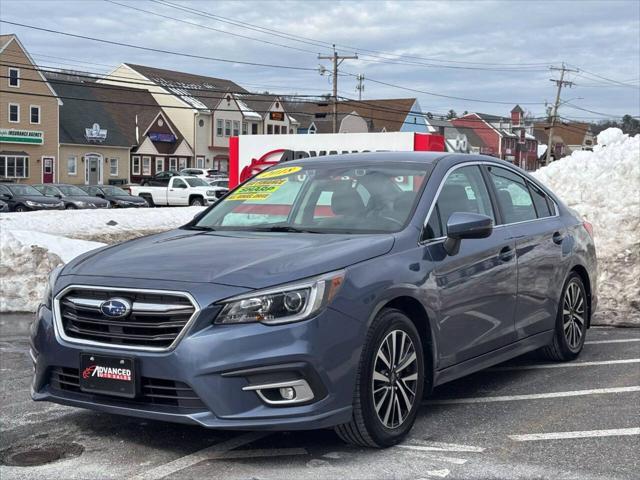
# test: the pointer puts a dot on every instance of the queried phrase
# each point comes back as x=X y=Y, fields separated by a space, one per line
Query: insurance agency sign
x=249 y=154
x=15 y=135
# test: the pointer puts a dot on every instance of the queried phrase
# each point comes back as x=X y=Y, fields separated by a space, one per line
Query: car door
x=532 y=220
x=178 y=192
x=476 y=288
x=7 y=196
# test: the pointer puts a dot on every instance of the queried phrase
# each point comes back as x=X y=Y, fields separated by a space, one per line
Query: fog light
x=288 y=393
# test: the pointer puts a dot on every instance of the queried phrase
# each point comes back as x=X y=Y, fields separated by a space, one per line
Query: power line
x=325 y=44
x=337 y=61
x=158 y=50
x=560 y=83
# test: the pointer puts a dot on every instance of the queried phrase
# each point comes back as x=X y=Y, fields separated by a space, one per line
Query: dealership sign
x=95 y=133
x=15 y=135
x=249 y=154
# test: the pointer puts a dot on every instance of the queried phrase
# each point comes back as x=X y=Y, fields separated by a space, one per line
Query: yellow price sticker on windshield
x=279 y=172
x=257 y=190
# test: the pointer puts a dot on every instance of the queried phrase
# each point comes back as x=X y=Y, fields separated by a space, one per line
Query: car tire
x=149 y=200
x=70 y=206
x=196 y=202
x=21 y=208
x=373 y=424
x=571 y=322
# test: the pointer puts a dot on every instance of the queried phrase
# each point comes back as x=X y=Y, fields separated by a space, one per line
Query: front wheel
x=571 y=322
x=21 y=208
x=196 y=202
x=389 y=383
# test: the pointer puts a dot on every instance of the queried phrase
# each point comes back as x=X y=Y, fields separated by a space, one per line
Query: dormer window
x=14 y=77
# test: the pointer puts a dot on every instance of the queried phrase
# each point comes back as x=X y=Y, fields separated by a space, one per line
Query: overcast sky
x=522 y=37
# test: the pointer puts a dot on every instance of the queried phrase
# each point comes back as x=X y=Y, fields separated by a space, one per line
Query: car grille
x=155 y=391
x=154 y=323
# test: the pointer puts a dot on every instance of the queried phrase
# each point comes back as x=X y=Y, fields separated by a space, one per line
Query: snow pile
x=604 y=187
x=110 y=225
x=26 y=259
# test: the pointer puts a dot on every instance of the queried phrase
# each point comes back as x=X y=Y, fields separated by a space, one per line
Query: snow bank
x=604 y=187
x=110 y=226
x=26 y=259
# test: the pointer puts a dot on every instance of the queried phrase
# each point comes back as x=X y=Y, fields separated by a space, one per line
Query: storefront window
x=14 y=167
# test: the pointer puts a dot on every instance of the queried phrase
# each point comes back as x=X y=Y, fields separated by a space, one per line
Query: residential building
x=28 y=117
x=509 y=138
x=206 y=111
x=568 y=137
x=357 y=116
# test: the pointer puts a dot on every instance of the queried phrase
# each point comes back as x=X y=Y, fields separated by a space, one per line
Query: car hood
x=131 y=198
x=39 y=199
x=84 y=198
x=243 y=259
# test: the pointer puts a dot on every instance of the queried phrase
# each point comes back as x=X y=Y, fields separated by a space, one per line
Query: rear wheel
x=571 y=322
x=389 y=383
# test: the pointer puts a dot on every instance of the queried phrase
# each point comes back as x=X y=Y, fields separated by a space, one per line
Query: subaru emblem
x=115 y=307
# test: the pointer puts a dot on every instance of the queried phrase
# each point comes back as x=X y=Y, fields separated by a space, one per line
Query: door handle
x=557 y=238
x=506 y=254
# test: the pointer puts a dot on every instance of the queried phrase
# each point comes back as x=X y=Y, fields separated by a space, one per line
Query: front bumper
x=211 y=360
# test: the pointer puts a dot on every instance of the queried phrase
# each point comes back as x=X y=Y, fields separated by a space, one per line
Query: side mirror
x=466 y=225
x=57 y=195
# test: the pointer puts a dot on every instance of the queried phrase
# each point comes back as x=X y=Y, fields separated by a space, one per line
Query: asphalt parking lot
x=523 y=419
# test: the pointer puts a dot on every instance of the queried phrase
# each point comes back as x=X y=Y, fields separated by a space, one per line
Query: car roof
x=375 y=157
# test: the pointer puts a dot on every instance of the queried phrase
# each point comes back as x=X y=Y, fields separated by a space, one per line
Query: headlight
x=32 y=203
x=287 y=303
x=211 y=193
x=47 y=298
x=80 y=203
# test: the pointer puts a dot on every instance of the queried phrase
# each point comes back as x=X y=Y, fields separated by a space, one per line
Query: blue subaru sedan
x=325 y=292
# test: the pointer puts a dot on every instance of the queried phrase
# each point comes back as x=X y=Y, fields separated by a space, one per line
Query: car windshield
x=322 y=198
x=23 y=190
x=71 y=191
x=221 y=183
x=114 y=192
x=196 y=182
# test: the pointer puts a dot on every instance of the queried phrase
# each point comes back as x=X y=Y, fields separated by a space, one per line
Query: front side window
x=14 y=113
x=196 y=182
x=178 y=183
x=14 y=77
x=71 y=191
x=135 y=169
x=23 y=190
x=464 y=190
x=219 y=130
x=513 y=195
x=34 y=111
x=112 y=192
x=72 y=165
x=146 y=165
x=113 y=167
x=322 y=197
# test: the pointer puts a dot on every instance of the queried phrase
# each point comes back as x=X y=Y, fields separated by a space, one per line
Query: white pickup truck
x=180 y=190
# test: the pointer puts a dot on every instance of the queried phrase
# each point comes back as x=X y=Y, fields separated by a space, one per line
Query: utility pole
x=560 y=83
x=360 y=86
x=337 y=61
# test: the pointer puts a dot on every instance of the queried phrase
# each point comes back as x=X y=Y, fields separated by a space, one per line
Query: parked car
x=72 y=196
x=220 y=186
x=160 y=179
x=25 y=198
x=204 y=173
x=118 y=197
x=4 y=206
x=342 y=289
x=192 y=191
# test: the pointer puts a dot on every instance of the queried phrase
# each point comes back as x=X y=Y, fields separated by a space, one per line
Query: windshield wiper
x=285 y=228
x=200 y=227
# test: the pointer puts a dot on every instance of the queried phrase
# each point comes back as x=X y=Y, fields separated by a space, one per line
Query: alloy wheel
x=573 y=315
x=394 y=380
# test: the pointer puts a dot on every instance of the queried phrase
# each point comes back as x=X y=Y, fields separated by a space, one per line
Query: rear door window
x=513 y=194
x=540 y=201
